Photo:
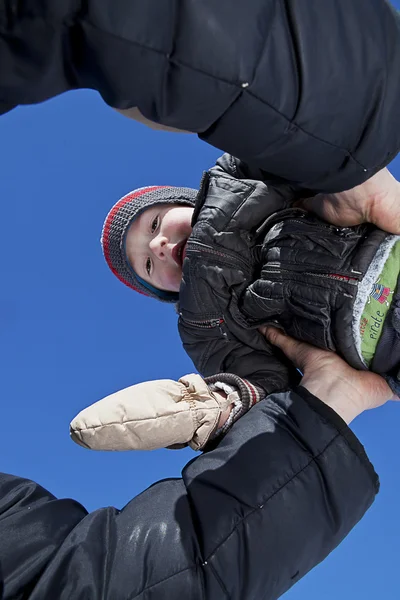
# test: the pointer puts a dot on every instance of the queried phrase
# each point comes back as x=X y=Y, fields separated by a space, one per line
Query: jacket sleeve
x=247 y=520
x=217 y=350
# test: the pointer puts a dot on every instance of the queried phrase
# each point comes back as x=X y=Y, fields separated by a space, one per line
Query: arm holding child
x=263 y=500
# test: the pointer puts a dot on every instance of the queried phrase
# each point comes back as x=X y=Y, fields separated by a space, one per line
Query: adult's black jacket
x=308 y=90
x=246 y=521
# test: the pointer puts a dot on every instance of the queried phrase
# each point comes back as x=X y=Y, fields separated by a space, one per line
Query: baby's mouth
x=179 y=252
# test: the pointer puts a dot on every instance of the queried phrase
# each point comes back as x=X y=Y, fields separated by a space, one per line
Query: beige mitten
x=150 y=415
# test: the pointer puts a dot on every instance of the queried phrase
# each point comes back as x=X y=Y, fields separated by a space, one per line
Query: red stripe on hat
x=107 y=226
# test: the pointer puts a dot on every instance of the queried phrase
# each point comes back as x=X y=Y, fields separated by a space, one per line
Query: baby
x=236 y=255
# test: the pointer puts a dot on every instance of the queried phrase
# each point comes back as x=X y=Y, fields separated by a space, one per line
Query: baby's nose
x=158 y=246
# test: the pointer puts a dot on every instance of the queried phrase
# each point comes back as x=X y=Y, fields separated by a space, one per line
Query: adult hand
x=328 y=377
x=377 y=201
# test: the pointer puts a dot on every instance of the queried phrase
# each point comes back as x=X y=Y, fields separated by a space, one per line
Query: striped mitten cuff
x=242 y=394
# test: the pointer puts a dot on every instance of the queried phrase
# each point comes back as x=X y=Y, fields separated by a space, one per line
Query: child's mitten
x=150 y=415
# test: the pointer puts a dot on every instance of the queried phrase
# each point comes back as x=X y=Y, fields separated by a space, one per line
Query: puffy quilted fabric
x=245 y=521
x=307 y=90
x=252 y=259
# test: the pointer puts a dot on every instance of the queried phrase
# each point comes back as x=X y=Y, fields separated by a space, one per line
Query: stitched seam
x=210 y=250
x=236 y=260
x=195 y=566
x=220 y=79
x=192 y=410
x=295 y=53
x=194 y=286
x=218 y=578
x=309 y=265
x=348 y=153
x=166 y=55
x=264 y=502
x=223 y=80
x=289 y=282
x=309 y=302
x=208 y=351
x=106 y=580
x=295 y=475
x=251 y=188
x=355 y=446
x=383 y=99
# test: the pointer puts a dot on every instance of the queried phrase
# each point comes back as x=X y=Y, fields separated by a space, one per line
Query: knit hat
x=116 y=226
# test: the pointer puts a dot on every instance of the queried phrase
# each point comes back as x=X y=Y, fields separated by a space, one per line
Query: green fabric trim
x=378 y=304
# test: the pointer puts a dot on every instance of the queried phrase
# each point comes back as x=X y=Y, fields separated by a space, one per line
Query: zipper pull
x=218 y=323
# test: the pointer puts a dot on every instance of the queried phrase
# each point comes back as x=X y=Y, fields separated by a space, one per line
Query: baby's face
x=156 y=243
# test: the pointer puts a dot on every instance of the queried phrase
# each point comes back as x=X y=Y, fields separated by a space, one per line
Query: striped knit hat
x=116 y=226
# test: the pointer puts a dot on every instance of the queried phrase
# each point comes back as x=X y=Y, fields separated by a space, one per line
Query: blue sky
x=70 y=333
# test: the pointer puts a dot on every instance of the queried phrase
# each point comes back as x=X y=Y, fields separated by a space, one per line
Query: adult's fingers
x=377 y=201
x=333 y=209
x=381 y=194
x=386 y=212
x=297 y=352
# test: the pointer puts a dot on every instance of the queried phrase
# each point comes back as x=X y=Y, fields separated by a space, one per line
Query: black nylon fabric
x=247 y=520
x=309 y=280
x=306 y=90
x=252 y=259
x=221 y=262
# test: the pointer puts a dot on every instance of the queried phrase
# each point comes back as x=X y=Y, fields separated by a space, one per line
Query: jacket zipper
x=320 y=224
x=232 y=258
x=206 y=324
x=335 y=276
x=296 y=215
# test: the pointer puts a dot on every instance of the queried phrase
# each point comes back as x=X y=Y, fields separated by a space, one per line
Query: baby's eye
x=148 y=266
x=154 y=225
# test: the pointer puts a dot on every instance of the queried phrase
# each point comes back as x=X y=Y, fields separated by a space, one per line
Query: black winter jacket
x=308 y=90
x=246 y=521
x=252 y=259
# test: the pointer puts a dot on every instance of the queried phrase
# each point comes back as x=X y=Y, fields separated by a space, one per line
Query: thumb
x=386 y=215
x=315 y=204
x=293 y=349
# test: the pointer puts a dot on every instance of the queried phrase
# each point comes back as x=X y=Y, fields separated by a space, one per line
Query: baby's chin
x=174 y=283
